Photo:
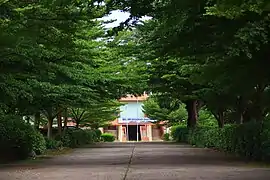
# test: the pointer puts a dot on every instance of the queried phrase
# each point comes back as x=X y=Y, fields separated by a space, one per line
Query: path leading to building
x=137 y=161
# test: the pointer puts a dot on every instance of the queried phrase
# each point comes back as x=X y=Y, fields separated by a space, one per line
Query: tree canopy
x=57 y=55
x=207 y=53
x=170 y=111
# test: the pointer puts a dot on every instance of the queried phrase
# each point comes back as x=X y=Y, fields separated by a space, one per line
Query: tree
x=53 y=59
x=232 y=9
x=95 y=115
x=193 y=53
x=164 y=109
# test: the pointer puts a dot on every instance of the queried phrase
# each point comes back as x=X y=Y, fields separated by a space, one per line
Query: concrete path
x=137 y=161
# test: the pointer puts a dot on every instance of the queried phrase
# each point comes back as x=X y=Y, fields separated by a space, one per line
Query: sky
x=119 y=17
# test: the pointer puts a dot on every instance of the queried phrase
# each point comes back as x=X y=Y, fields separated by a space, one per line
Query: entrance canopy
x=137 y=120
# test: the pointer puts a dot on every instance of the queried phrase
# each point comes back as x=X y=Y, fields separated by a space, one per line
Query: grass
x=258 y=165
x=56 y=152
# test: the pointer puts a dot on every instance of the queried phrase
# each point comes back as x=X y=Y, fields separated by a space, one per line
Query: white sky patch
x=119 y=16
x=115 y=15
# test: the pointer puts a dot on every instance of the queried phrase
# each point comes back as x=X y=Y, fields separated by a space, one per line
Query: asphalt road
x=137 y=161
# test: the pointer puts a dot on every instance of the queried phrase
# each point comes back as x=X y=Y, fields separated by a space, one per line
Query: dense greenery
x=164 y=109
x=208 y=57
x=78 y=137
x=179 y=133
x=59 y=62
x=98 y=115
x=166 y=137
x=250 y=140
x=18 y=139
x=218 y=62
x=97 y=135
x=107 y=137
x=56 y=59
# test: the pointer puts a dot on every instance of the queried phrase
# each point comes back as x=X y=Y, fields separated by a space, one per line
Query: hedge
x=166 y=137
x=107 y=137
x=250 y=140
x=19 y=139
x=53 y=144
x=77 y=137
x=97 y=135
x=179 y=133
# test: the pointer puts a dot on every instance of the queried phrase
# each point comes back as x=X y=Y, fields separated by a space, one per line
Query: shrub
x=66 y=139
x=250 y=140
x=18 y=139
x=166 y=137
x=179 y=133
x=107 y=137
x=96 y=135
x=53 y=144
x=78 y=137
x=38 y=141
x=265 y=142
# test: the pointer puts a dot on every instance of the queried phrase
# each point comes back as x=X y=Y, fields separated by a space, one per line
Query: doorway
x=132 y=133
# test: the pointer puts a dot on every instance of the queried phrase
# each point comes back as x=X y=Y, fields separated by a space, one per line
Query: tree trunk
x=65 y=119
x=240 y=109
x=247 y=115
x=258 y=114
x=191 y=106
x=37 y=120
x=50 y=117
x=258 y=104
x=50 y=123
x=59 y=123
x=241 y=118
x=77 y=124
x=200 y=104
x=221 y=119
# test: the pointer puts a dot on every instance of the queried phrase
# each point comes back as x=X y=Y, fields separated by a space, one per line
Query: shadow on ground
x=150 y=154
x=136 y=161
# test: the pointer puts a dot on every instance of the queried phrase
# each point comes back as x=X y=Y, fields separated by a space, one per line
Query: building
x=132 y=124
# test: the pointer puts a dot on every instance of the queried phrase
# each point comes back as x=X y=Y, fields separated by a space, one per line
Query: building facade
x=132 y=124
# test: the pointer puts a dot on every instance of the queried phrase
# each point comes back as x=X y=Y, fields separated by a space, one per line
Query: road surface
x=137 y=161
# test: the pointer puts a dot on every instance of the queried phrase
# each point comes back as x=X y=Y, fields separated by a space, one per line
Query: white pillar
x=137 y=132
x=120 y=133
x=149 y=132
x=127 y=133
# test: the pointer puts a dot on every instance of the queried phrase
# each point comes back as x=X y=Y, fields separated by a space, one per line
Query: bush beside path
x=250 y=140
x=19 y=140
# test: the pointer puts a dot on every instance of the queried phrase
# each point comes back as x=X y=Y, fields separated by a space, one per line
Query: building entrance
x=132 y=132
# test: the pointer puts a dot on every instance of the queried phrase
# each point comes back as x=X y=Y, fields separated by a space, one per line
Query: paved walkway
x=137 y=161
